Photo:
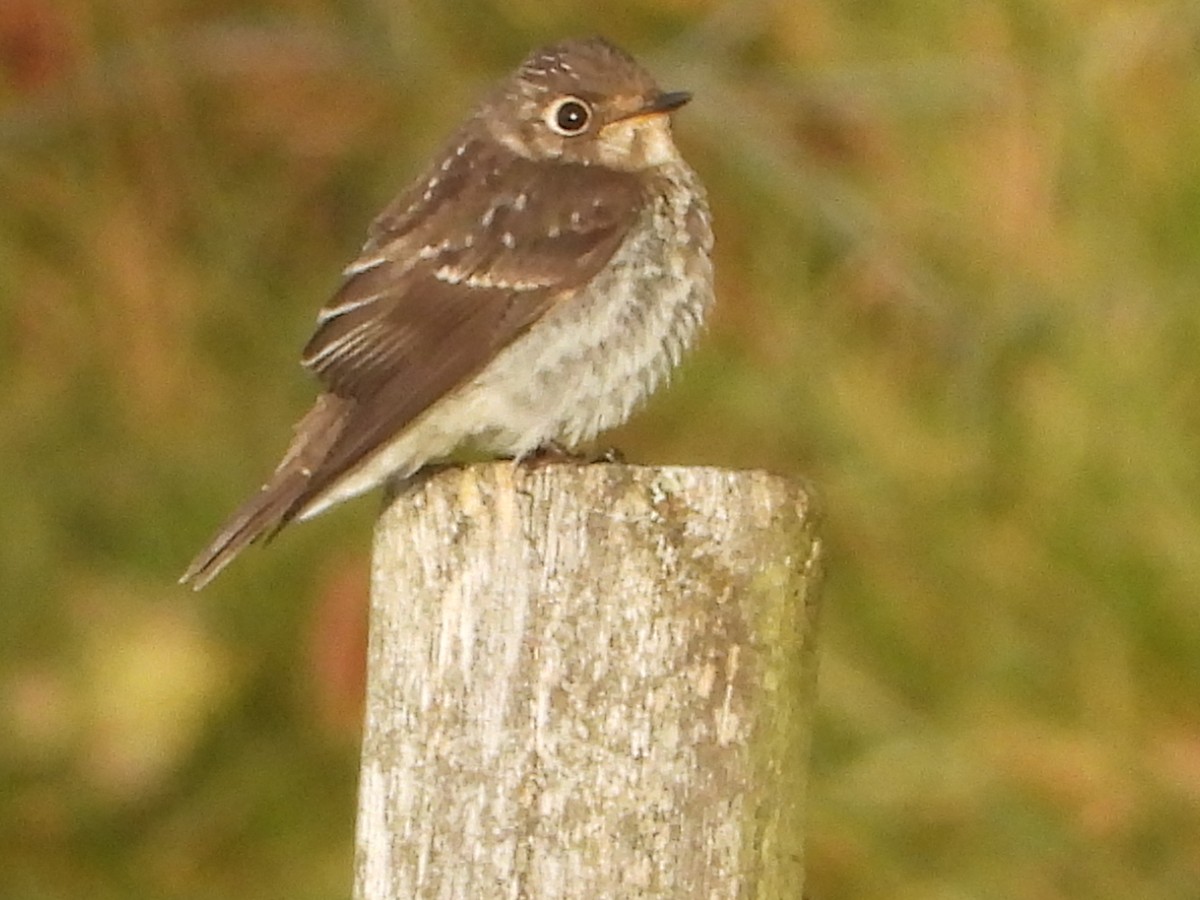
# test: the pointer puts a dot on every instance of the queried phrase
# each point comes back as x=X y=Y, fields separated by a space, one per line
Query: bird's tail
x=260 y=516
x=281 y=499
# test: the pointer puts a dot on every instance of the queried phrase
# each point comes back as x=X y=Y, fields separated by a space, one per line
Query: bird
x=543 y=276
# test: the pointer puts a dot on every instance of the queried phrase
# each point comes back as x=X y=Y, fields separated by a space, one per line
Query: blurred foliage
x=959 y=258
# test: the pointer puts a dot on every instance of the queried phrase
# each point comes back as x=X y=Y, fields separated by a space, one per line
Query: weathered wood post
x=589 y=682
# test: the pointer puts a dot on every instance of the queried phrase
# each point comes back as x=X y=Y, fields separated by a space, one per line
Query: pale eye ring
x=568 y=116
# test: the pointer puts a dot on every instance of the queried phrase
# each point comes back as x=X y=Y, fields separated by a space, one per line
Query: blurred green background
x=959 y=262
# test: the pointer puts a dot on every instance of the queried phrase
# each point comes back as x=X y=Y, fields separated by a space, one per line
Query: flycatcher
x=530 y=289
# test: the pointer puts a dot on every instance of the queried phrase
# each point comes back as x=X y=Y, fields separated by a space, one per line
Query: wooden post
x=589 y=682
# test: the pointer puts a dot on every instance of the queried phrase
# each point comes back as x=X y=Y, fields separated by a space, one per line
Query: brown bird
x=530 y=289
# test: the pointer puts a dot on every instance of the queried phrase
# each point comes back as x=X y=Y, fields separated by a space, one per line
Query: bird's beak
x=664 y=103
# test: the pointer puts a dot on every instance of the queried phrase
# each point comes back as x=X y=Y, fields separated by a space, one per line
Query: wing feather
x=455 y=270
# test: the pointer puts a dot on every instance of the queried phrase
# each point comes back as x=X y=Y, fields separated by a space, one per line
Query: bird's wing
x=455 y=269
x=460 y=265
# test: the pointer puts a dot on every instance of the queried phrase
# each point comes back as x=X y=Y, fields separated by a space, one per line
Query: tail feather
x=281 y=498
x=260 y=517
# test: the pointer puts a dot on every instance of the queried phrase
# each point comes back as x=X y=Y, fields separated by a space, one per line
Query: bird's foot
x=553 y=452
x=550 y=453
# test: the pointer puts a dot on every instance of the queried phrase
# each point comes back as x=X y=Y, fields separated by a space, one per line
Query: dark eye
x=569 y=116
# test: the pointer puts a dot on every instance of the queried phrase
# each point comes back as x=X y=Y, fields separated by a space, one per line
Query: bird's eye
x=568 y=116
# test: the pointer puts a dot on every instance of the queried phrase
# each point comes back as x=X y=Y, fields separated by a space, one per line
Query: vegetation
x=959 y=258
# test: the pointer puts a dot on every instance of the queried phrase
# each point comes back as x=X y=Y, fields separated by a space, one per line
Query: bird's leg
x=553 y=452
x=548 y=454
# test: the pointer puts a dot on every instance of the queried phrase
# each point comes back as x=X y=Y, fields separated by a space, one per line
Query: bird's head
x=586 y=102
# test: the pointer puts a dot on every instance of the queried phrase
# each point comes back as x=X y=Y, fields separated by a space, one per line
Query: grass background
x=959 y=260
